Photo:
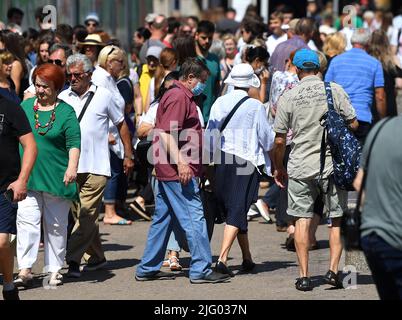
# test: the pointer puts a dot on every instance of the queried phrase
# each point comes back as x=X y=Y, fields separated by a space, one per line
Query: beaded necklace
x=49 y=125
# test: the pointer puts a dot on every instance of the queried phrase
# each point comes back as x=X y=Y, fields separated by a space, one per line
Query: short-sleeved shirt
x=301 y=109
x=94 y=125
x=359 y=74
x=53 y=149
x=211 y=90
x=383 y=192
x=13 y=124
x=177 y=115
x=283 y=51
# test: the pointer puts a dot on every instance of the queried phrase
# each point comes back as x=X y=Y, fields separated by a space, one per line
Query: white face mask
x=259 y=71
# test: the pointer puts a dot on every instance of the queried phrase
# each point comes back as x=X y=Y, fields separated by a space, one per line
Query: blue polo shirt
x=359 y=74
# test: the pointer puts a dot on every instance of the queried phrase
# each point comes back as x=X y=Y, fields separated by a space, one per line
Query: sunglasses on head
x=57 y=62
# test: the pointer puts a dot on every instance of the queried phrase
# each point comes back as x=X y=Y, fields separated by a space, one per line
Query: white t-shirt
x=102 y=78
x=94 y=157
x=273 y=41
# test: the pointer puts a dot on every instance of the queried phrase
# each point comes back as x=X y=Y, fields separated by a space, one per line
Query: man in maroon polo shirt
x=177 y=157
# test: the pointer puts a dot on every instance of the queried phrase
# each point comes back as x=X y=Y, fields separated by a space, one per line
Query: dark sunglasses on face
x=57 y=62
x=75 y=75
x=91 y=24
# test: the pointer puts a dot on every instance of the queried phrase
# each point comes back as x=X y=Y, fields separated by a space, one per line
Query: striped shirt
x=359 y=74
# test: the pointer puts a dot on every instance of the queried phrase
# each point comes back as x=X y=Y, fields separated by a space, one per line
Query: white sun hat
x=243 y=76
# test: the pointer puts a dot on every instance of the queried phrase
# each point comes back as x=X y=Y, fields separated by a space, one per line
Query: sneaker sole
x=153 y=279
x=200 y=281
x=140 y=213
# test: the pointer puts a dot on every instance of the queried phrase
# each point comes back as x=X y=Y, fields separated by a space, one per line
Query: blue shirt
x=359 y=74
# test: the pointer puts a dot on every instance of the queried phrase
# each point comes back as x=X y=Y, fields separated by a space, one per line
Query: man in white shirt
x=243 y=146
x=278 y=34
x=94 y=165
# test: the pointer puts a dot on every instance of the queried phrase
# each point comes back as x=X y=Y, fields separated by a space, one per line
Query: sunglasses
x=91 y=24
x=57 y=62
x=75 y=75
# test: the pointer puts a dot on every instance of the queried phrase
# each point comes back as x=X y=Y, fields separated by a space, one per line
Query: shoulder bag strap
x=366 y=166
x=231 y=114
x=90 y=96
x=330 y=103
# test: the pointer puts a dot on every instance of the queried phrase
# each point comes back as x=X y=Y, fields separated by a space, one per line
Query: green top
x=53 y=149
x=212 y=88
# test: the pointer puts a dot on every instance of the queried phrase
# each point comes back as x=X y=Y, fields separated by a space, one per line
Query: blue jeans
x=177 y=206
x=385 y=263
x=177 y=235
x=116 y=186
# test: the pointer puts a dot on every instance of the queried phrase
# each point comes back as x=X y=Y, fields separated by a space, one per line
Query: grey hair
x=218 y=48
x=361 y=36
x=60 y=46
x=79 y=58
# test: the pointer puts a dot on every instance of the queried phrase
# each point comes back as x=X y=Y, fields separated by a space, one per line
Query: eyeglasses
x=57 y=62
x=77 y=75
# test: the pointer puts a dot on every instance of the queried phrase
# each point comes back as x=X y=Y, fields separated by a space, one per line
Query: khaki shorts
x=303 y=193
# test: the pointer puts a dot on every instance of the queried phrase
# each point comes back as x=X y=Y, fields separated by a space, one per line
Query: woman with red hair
x=51 y=186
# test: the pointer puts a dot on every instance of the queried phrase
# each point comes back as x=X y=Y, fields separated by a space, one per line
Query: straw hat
x=92 y=40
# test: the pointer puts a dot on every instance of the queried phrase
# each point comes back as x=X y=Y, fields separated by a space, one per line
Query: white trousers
x=54 y=211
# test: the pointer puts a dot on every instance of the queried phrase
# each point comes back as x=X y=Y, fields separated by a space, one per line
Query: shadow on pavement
x=115 y=247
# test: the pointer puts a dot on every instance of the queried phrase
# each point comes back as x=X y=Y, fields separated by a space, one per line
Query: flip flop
x=121 y=222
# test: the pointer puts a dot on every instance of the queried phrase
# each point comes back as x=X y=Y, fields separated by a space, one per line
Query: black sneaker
x=74 y=270
x=332 y=279
x=213 y=277
x=160 y=275
x=11 y=295
x=220 y=267
x=290 y=243
x=304 y=284
x=95 y=266
x=247 y=265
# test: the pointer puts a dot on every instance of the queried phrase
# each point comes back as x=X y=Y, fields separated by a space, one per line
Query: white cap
x=154 y=51
x=92 y=16
x=150 y=17
x=243 y=76
x=285 y=27
x=327 y=30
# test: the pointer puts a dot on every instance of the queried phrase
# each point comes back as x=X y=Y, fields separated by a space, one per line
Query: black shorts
x=8 y=216
x=236 y=190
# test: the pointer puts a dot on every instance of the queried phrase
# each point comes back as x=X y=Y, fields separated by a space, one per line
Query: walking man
x=14 y=130
x=94 y=106
x=178 y=201
x=301 y=109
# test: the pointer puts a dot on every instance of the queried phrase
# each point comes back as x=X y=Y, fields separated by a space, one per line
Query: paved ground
x=273 y=277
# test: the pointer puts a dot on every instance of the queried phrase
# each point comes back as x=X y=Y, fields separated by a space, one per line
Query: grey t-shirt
x=382 y=211
x=300 y=109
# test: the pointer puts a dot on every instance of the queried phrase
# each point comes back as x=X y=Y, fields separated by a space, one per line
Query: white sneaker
x=56 y=279
x=262 y=210
x=252 y=213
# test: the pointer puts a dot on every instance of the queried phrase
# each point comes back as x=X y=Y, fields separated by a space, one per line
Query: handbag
x=351 y=220
x=142 y=149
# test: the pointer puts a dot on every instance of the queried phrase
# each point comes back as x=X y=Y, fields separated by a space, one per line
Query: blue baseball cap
x=306 y=59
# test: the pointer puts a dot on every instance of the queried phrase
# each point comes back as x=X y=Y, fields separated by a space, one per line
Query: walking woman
x=51 y=187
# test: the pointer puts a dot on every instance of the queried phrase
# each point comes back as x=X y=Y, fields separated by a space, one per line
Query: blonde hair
x=229 y=36
x=334 y=44
x=109 y=53
x=6 y=56
x=125 y=72
x=323 y=61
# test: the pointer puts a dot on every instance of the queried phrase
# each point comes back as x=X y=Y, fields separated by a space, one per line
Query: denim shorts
x=8 y=216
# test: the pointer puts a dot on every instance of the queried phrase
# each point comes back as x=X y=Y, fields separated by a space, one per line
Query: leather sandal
x=332 y=279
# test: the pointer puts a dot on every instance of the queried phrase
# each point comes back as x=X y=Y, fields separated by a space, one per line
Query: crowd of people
x=197 y=115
